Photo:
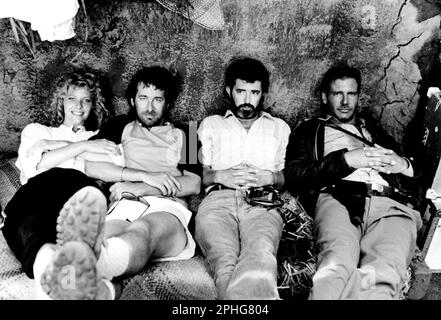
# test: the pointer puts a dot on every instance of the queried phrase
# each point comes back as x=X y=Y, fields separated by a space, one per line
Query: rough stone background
x=394 y=42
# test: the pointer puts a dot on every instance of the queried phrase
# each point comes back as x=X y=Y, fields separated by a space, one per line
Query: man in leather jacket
x=361 y=193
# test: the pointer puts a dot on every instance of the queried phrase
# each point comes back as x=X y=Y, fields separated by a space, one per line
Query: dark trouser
x=31 y=215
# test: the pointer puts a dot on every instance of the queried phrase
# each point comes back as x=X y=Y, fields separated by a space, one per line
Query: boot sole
x=82 y=218
x=72 y=272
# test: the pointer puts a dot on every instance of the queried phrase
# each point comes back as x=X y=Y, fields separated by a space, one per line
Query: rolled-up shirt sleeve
x=205 y=136
x=27 y=161
x=283 y=137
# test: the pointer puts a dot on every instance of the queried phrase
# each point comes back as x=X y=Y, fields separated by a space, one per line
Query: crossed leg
x=85 y=255
x=156 y=235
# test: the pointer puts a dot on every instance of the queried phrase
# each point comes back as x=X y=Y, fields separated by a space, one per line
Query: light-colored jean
x=240 y=244
x=364 y=262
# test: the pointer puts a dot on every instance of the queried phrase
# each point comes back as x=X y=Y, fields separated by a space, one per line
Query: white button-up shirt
x=226 y=143
x=30 y=152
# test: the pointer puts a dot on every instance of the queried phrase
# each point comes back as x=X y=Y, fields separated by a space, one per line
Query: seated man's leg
x=338 y=242
x=255 y=276
x=161 y=233
x=386 y=249
x=154 y=235
x=217 y=234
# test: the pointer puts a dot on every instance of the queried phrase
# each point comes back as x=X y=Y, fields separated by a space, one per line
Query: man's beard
x=245 y=111
x=150 y=123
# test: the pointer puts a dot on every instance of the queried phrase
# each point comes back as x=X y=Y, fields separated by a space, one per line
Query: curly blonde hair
x=82 y=78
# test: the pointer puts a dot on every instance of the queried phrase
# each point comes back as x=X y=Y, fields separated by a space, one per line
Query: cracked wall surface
x=393 y=42
x=398 y=93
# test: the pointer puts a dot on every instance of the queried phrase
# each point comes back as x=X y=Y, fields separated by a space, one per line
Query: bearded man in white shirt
x=242 y=150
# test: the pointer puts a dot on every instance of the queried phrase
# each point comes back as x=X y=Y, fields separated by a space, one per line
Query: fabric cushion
x=171 y=280
x=9 y=179
x=14 y=284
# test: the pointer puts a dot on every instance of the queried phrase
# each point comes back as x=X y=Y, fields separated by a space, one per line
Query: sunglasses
x=132 y=197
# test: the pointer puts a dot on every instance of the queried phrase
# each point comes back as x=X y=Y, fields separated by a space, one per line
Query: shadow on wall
x=391 y=41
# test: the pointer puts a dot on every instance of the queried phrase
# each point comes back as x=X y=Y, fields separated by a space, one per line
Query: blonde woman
x=50 y=158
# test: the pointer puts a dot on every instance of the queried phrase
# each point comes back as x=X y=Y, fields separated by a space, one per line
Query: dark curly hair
x=247 y=69
x=83 y=78
x=159 y=77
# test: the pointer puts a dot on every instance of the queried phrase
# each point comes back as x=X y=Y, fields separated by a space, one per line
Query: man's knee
x=140 y=227
x=340 y=259
x=206 y=223
x=160 y=225
x=115 y=228
x=335 y=270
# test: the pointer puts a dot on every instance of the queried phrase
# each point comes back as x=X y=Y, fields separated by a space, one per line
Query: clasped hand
x=244 y=176
x=378 y=158
x=166 y=183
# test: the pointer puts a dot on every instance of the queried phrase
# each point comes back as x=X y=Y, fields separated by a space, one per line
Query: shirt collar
x=70 y=128
x=166 y=124
x=263 y=114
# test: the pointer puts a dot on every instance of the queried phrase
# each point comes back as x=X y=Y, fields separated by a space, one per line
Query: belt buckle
x=377 y=187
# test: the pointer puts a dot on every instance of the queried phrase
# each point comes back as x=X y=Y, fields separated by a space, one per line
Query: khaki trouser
x=365 y=262
x=240 y=244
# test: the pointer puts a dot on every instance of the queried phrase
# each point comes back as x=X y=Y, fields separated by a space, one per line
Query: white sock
x=114 y=258
x=43 y=258
x=111 y=289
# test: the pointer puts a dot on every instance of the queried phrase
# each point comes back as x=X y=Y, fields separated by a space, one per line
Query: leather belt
x=216 y=187
x=371 y=189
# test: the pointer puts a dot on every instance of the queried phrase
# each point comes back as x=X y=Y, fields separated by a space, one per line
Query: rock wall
x=393 y=42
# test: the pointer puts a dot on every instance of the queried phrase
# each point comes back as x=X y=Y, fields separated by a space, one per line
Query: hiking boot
x=82 y=219
x=72 y=273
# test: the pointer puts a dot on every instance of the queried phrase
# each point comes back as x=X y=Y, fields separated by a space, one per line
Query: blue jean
x=365 y=262
x=240 y=244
